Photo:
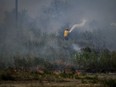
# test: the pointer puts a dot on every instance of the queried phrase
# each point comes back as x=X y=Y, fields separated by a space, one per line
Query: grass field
x=88 y=80
x=47 y=84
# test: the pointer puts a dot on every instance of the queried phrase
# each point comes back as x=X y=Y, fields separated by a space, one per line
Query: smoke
x=41 y=25
x=113 y=24
x=76 y=47
x=78 y=25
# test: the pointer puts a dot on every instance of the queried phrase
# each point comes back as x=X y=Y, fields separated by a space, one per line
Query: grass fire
x=57 y=43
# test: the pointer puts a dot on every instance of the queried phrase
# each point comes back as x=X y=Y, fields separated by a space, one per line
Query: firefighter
x=66 y=34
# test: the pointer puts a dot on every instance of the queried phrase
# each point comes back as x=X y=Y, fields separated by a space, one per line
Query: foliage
x=96 y=61
x=109 y=82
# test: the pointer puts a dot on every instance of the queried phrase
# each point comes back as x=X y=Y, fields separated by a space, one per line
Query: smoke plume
x=76 y=47
x=78 y=25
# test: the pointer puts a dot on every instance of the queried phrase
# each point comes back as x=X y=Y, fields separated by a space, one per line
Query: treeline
x=92 y=60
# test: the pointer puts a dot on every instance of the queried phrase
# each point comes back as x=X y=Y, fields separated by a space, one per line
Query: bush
x=109 y=82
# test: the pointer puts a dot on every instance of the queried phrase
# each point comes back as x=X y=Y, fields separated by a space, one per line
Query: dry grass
x=51 y=85
x=75 y=83
x=88 y=80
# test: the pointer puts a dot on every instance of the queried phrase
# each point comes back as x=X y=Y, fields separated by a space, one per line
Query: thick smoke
x=41 y=25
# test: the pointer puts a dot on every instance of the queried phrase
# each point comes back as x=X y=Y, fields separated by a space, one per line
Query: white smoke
x=113 y=24
x=76 y=47
x=78 y=25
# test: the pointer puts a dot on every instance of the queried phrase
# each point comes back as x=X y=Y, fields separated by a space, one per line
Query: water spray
x=67 y=31
x=78 y=25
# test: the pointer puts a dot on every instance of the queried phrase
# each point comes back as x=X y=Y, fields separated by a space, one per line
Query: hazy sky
x=102 y=10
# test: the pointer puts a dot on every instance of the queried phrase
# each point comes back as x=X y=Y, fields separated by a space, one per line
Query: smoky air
x=36 y=28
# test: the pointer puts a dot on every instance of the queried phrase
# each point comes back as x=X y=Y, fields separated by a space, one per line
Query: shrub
x=109 y=82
